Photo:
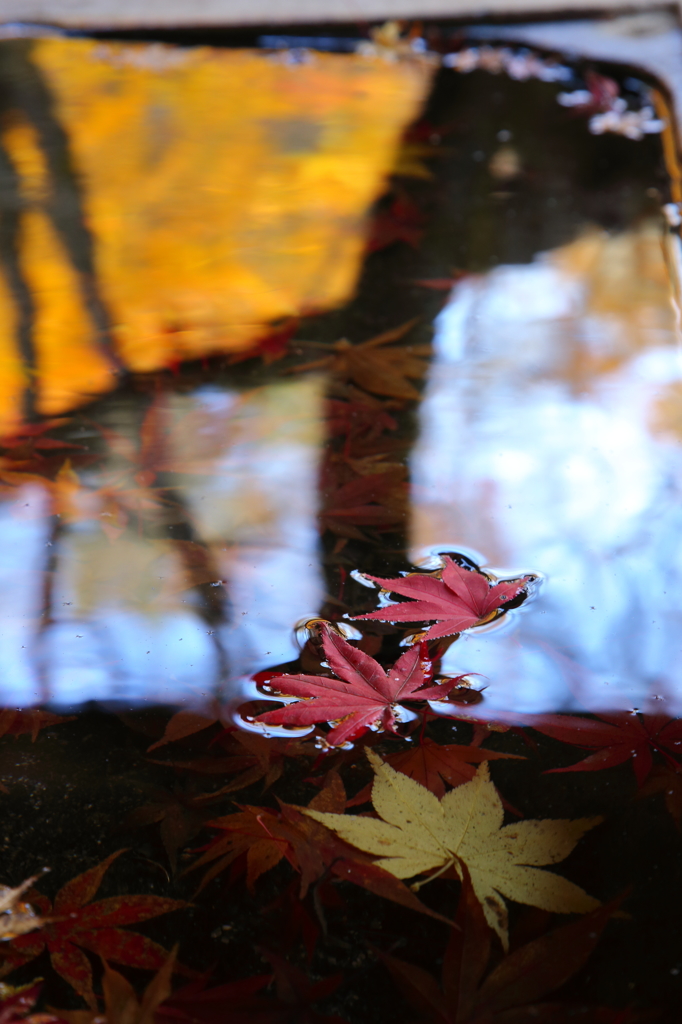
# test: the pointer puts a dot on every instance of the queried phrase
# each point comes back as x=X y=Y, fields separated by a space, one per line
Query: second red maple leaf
x=456 y=599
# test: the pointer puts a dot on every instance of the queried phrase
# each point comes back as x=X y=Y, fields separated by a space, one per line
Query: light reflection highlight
x=543 y=445
x=95 y=608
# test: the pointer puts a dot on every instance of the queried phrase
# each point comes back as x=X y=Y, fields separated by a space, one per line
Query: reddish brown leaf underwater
x=195 y=1003
x=290 y=999
x=121 y=1005
x=402 y=221
x=351 y=499
x=251 y=757
x=18 y=723
x=455 y=597
x=512 y=992
x=362 y=419
x=375 y=365
x=445 y=284
x=263 y=838
x=75 y=923
x=667 y=781
x=16 y=1004
x=361 y=696
x=433 y=764
x=182 y=725
x=24 y=457
x=615 y=739
x=272 y=346
x=180 y=814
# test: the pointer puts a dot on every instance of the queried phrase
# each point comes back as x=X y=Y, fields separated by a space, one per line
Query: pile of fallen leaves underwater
x=432 y=836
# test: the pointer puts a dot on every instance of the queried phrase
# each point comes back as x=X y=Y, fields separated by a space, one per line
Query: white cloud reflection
x=537 y=449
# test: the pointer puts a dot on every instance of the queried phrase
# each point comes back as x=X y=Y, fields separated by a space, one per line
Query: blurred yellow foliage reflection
x=172 y=202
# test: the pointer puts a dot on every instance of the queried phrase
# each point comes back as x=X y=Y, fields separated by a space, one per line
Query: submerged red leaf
x=433 y=764
x=457 y=599
x=181 y=725
x=194 y=1002
x=615 y=739
x=362 y=695
x=512 y=991
x=14 y=722
x=266 y=837
x=15 y=1004
x=243 y=1002
x=667 y=781
x=402 y=221
x=76 y=923
x=376 y=500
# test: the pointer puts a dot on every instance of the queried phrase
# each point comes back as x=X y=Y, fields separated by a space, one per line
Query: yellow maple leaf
x=418 y=833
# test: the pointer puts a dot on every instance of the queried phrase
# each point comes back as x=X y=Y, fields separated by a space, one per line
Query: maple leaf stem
x=670 y=761
x=659 y=749
x=275 y=839
x=317 y=901
x=416 y=886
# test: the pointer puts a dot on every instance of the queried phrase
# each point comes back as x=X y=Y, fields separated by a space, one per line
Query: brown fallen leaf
x=263 y=837
x=514 y=991
x=376 y=367
x=121 y=1005
x=15 y=723
x=417 y=833
x=179 y=813
x=254 y=757
x=75 y=923
x=17 y=1000
x=433 y=764
x=667 y=781
x=377 y=500
x=401 y=221
x=181 y=725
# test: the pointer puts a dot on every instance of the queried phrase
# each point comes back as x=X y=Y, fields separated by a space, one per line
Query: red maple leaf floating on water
x=362 y=696
x=77 y=922
x=457 y=599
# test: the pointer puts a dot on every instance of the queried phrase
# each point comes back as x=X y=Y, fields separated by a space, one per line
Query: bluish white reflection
x=547 y=443
x=87 y=617
x=23 y=555
x=263 y=498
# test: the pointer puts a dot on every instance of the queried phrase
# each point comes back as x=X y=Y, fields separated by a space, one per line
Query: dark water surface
x=524 y=419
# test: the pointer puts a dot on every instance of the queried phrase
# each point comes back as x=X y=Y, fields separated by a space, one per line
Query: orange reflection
x=211 y=192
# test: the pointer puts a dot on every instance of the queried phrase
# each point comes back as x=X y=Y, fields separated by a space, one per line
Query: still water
x=492 y=424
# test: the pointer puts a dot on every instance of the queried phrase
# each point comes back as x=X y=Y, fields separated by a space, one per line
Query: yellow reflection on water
x=172 y=202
